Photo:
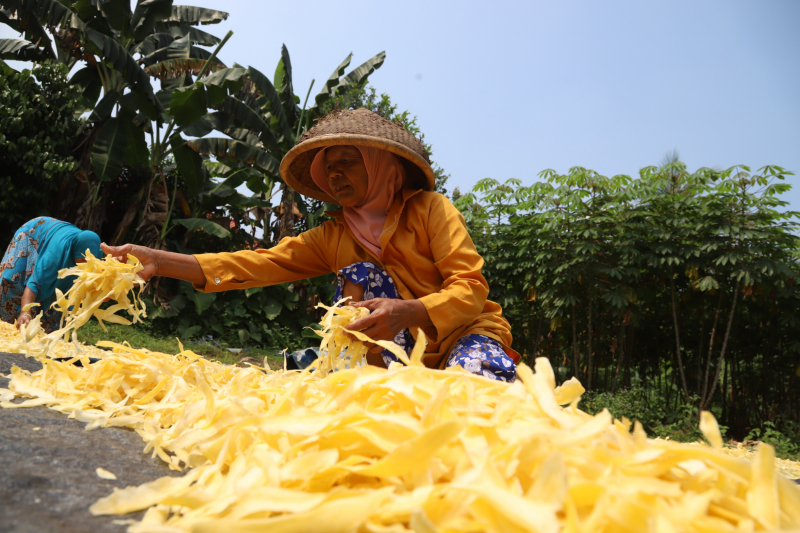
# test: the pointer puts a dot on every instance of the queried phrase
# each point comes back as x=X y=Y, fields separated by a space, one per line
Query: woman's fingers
x=369 y=304
x=363 y=323
x=119 y=253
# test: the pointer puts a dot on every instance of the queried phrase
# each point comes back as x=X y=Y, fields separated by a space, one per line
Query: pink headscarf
x=386 y=177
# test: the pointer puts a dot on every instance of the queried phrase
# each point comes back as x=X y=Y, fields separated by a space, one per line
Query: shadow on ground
x=47 y=476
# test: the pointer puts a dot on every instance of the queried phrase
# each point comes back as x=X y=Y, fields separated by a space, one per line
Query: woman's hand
x=24 y=318
x=147 y=256
x=389 y=316
x=28 y=297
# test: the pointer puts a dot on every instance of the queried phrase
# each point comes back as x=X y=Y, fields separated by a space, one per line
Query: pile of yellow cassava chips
x=404 y=449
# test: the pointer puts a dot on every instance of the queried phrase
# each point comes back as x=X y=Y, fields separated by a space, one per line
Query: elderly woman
x=398 y=249
x=30 y=266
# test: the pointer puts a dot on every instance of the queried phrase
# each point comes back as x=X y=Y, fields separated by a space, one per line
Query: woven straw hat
x=358 y=127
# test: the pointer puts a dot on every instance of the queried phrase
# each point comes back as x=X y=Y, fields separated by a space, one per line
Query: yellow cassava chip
x=102 y=473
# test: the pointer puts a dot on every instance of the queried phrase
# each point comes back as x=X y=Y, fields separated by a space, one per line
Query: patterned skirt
x=15 y=270
x=477 y=354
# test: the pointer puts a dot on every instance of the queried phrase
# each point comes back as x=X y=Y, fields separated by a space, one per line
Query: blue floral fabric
x=477 y=354
x=16 y=270
x=482 y=355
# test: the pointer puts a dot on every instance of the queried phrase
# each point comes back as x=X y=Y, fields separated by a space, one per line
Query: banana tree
x=123 y=50
x=261 y=120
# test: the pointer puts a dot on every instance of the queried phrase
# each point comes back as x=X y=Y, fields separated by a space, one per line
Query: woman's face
x=347 y=175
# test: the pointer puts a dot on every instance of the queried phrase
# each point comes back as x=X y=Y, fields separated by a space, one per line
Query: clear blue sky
x=507 y=89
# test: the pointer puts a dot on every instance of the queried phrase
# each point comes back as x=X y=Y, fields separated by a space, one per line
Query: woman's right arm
x=310 y=254
x=160 y=262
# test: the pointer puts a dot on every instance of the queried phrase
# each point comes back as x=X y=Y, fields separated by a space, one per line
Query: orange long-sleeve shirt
x=426 y=249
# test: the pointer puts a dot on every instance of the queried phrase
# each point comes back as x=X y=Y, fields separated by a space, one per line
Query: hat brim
x=296 y=164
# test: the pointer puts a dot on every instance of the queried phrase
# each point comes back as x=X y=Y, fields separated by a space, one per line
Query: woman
x=30 y=266
x=398 y=249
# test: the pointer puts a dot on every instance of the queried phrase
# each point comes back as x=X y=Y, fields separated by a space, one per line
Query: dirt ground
x=47 y=475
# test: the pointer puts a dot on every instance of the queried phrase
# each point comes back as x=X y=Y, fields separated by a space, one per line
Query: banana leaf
x=272 y=97
x=109 y=149
x=212 y=228
x=192 y=16
x=188 y=104
x=328 y=89
x=285 y=87
x=239 y=200
x=177 y=49
x=223 y=82
x=28 y=15
x=152 y=43
x=160 y=40
x=146 y=14
x=136 y=151
x=244 y=116
x=190 y=165
x=20 y=50
x=245 y=136
x=10 y=20
x=209 y=123
x=362 y=72
x=232 y=81
x=333 y=86
x=104 y=107
x=89 y=79
x=237 y=151
x=116 y=56
x=117 y=13
x=196 y=36
x=235 y=179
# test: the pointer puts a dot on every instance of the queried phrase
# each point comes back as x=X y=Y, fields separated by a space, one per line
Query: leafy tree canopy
x=38 y=126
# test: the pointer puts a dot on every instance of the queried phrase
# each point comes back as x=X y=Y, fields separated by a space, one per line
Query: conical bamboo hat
x=358 y=127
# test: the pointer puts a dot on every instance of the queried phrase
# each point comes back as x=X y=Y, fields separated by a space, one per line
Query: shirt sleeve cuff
x=214 y=272
x=436 y=305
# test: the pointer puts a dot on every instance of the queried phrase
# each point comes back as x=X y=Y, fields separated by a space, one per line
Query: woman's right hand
x=24 y=318
x=147 y=256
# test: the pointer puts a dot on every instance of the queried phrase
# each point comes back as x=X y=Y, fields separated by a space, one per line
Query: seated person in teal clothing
x=29 y=271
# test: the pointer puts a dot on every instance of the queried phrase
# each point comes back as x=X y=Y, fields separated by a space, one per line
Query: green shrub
x=271 y=318
x=682 y=423
x=649 y=408
x=786 y=440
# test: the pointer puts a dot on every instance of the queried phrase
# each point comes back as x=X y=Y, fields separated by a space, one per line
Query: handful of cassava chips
x=96 y=280
x=337 y=351
x=405 y=449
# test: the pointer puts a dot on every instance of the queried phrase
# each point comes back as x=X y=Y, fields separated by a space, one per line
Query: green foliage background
x=678 y=286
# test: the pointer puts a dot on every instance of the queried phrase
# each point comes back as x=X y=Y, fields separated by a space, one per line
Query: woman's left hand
x=389 y=316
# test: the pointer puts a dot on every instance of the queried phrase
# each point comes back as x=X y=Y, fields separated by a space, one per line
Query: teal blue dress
x=41 y=248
